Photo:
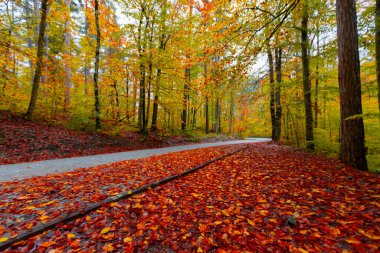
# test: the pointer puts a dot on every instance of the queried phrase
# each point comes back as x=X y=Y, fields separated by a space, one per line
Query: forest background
x=195 y=67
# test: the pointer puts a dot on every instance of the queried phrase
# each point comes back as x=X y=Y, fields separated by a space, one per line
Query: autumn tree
x=40 y=56
x=96 y=71
x=306 y=77
x=352 y=150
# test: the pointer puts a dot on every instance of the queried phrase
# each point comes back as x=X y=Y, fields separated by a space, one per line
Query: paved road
x=26 y=170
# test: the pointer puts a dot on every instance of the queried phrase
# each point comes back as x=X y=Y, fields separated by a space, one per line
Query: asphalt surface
x=12 y=172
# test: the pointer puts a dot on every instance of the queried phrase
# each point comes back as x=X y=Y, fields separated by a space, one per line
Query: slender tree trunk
x=29 y=39
x=306 y=79
x=230 y=124
x=271 y=102
x=96 y=72
x=352 y=149
x=185 y=96
x=377 y=26
x=316 y=84
x=86 y=63
x=44 y=73
x=278 y=108
x=207 y=116
x=155 y=103
x=67 y=58
x=40 y=56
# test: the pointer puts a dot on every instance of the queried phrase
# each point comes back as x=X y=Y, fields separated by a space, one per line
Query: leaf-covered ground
x=267 y=198
x=25 y=141
x=26 y=203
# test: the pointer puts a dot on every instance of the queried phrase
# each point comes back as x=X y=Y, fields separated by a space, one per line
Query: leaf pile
x=266 y=198
x=25 y=141
x=25 y=203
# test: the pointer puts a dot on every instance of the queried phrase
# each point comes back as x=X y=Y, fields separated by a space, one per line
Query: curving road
x=25 y=170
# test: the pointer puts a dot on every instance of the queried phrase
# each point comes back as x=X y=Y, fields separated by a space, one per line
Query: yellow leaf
x=353 y=241
x=303 y=250
x=47 y=244
x=373 y=237
x=251 y=222
x=70 y=236
x=225 y=213
x=129 y=192
x=128 y=239
x=3 y=239
x=105 y=230
x=199 y=250
x=218 y=222
x=211 y=207
x=44 y=217
x=114 y=204
x=195 y=195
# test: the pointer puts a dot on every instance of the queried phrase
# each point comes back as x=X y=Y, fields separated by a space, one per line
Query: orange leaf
x=47 y=244
x=105 y=230
x=225 y=213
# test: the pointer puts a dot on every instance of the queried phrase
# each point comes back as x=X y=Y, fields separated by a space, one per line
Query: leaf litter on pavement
x=26 y=203
x=267 y=198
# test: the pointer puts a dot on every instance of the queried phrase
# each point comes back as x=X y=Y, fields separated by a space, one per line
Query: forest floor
x=263 y=198
x=26 y=141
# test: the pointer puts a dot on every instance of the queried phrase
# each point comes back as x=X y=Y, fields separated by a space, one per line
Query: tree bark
x=352 y=149
x=96 y=72
x=316 y=83
x=306 y=79
x=66 y=37
x=377 y=39
x=271 y=102
x=185 y=102
x=278 y=108
x=40 y=56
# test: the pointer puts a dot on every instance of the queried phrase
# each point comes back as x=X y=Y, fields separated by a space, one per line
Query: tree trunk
x=29 y=39
x=40 y=56
x=230 y=123
x=155 y=103
x=377 y=39
x=278 y=109
x=185 y=96
x=316 y=83
x=66 y=37
x=352 y=149
x=271 y=102
x=96 y=72
x=207 y=116
x=306 y=79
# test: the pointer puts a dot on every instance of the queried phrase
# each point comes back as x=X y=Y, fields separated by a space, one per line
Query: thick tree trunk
x=96 y=72
x=377 y=39
x=272 y=100
x=40 y=56
x=352 y=149
x=306 y=79
x=278 y=108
